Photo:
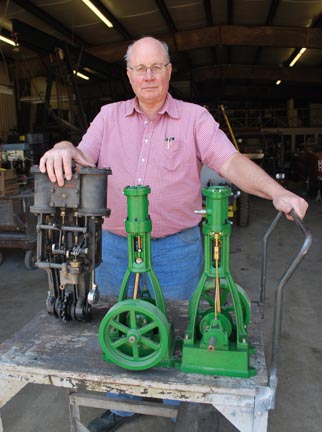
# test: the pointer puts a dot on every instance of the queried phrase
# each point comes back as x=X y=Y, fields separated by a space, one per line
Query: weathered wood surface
x=47 y=351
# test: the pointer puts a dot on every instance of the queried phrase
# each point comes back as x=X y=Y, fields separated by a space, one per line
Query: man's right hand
x=57 y=162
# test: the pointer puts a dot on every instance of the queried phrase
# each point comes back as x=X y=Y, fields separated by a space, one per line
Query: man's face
x=149 y=87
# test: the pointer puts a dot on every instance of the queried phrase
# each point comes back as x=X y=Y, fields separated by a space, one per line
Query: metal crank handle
x=302 y=252
x=277 y=323
x=305 y=247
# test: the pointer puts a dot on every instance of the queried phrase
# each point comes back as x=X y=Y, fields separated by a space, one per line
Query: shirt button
x=139 y=180
x=146 y=140
x=142 y=160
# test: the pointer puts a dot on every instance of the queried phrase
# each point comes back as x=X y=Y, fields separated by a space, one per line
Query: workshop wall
x=8 y=115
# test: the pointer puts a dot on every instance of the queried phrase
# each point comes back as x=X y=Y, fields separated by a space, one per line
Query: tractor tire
x=242 y=213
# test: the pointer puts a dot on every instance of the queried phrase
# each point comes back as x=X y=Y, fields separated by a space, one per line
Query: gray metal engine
x=69 y=238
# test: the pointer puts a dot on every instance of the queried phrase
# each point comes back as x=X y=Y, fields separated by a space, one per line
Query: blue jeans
x=176 y=260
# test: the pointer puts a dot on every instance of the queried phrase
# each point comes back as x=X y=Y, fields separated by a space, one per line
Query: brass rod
x=136 y=286
x=217 y=294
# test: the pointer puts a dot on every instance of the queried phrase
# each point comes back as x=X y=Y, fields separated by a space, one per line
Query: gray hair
x=128 y=51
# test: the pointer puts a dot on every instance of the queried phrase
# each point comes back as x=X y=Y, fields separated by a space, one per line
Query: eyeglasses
x=156 y=68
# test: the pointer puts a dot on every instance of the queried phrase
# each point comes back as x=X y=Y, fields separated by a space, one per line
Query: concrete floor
x=40 y=408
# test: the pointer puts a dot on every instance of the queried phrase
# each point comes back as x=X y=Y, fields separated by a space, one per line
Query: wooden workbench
x=47 y=351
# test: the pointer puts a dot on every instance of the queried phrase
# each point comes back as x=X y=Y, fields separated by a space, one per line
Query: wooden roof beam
x=257 y=73
x=295 y=37
x=262 y=36
x=50 y=21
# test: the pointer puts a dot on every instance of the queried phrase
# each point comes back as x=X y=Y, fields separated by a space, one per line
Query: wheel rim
x=30 y=260
x=134 y=334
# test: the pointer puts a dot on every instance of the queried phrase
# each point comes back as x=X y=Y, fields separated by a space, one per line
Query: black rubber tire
x=30 y=260
x=242 y=212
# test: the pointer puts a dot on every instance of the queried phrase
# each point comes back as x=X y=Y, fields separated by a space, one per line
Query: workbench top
x=48 y=351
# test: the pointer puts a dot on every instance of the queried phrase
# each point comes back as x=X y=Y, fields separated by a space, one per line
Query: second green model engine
x=136 y=333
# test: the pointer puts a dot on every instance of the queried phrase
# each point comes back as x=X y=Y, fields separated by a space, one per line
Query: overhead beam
x=269 y=19
x=45 y=44
x=272 y=11
x=216 y=93
x=208 y=12
x=166 y=15
x=50 y=21
x=229 y=35
x=116 y=23
x=230 y=11
x=257 y=73
x=100 y=58
x=316 y=23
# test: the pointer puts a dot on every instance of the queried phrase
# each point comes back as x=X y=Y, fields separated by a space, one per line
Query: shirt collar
x=169 y=107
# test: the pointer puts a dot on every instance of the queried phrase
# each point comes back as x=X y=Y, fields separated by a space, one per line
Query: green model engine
x=136 y=333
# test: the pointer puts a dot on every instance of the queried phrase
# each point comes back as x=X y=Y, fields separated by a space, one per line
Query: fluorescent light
x=278 y=82
x=80 y=75
x=296 y=58
x=8 y=41
x=98 y=13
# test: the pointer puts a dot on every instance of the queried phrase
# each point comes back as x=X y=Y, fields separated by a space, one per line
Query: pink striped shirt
x=166 y=154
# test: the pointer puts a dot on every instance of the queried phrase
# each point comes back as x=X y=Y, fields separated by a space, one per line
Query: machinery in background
x=22 y=152
x=239 y=201
x=306 y=166
x=136 y=333
x=18 y=225
x=17 y=157
x=69 y=238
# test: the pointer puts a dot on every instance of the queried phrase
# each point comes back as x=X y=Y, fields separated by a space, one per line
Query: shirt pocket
x=172 y=154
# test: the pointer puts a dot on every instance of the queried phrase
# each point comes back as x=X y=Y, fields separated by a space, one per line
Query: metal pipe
x=264 y=262
x=277 y=322
x=63 y=228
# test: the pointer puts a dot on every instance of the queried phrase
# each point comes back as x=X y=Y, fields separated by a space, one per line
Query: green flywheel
x=134 y=334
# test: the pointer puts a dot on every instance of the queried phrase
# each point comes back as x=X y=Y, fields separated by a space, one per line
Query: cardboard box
x=8 y=182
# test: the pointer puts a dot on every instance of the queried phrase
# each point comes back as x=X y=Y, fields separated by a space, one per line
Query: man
x=158 y=141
